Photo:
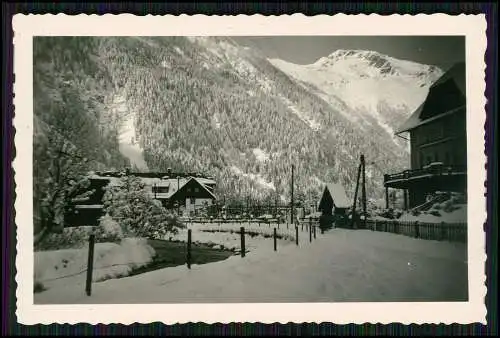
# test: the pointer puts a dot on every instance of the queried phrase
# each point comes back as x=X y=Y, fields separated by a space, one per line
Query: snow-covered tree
x=65 y=182
x=138 y=213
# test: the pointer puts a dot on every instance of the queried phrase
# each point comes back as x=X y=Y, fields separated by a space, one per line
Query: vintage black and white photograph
x=250 y=169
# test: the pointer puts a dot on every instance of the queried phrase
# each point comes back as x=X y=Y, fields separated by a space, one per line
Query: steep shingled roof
x=456 y=74
x=338 y=194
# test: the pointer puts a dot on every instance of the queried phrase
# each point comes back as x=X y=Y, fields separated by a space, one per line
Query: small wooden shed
x=334 y=200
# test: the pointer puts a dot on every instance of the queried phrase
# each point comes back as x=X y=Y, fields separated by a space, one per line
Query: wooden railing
x=434 y=170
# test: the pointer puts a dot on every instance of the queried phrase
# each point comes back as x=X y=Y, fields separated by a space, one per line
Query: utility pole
x=387 y=197
x=292 y=205
x=353 y=216
x=276 y=205
x=363 y=191
x=248 y=206
x=179 y=202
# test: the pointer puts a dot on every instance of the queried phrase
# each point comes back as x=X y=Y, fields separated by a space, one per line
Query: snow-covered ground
x=340 y=265
x=57 y=268
x=227 y=235
x=458 y=215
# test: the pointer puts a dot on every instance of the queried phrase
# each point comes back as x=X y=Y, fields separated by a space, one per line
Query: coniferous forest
x=198 y=107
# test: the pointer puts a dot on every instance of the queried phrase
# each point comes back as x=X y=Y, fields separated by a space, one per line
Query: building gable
x=192 y=189
x=334 y=196
x=446 y=96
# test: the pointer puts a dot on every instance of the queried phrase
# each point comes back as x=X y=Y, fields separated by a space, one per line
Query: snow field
x=112 y=260
x=339 y=266
x=62 y=267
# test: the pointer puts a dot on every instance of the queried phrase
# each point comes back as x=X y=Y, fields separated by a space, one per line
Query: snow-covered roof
x=175 y=186
x=338 y=194
x=89 y=206
x=113 y=181
x=203 y=180
x=203 y=186
x=456 y=74
x=413 y=121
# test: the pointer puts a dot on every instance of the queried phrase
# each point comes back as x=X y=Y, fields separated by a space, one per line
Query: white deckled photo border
x=473 y=27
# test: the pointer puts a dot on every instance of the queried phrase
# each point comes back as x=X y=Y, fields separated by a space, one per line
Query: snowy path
x=341 y=265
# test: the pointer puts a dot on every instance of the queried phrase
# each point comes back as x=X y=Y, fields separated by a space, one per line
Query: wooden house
x=185 y=192
x=438 y=142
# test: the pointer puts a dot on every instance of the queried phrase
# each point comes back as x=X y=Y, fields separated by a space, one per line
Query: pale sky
x=441 y=51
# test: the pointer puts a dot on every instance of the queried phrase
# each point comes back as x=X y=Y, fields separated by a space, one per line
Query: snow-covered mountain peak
x=366 y=85
x=368 y=63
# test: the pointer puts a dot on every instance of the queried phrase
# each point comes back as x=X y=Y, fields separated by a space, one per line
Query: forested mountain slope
x=210 y=105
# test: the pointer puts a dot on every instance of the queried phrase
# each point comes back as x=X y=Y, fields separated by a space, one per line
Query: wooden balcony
x=432 y=174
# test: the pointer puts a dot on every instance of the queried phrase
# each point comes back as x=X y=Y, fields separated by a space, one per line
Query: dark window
x=196 y=190
x=193 y=200
x=447 y=158
x=160 y=190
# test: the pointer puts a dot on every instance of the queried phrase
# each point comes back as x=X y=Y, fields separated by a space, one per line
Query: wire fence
x=265 y=228
x=93 y=268
x=273 y=228
x=288 y=232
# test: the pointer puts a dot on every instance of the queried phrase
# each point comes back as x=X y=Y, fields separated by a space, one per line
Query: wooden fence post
x=242 y=233
x=314 y=230
x=310 y=234
x=275 y=243
x=90 y=265
x=297 y=235
x=443 y=231
x=417 y=230
x=374 y=226
x=188 y=252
